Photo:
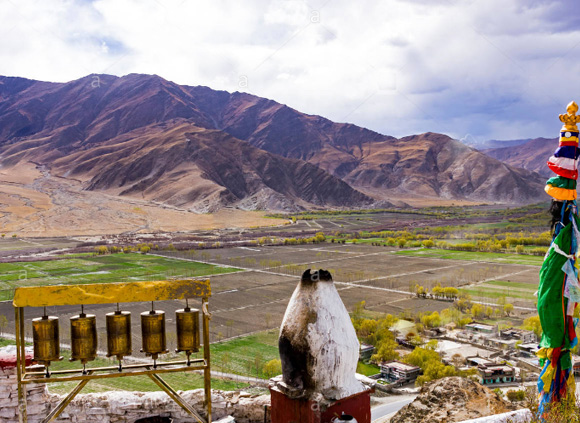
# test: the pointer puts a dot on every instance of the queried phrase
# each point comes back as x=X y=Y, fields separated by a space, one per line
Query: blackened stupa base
x=290 y=405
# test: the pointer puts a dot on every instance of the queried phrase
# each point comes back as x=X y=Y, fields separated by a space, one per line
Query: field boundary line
x=507 y=275
x=409 y=273
x=500 y=263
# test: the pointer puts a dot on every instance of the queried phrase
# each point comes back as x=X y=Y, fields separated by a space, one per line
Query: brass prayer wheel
x=153 y=333
x=187 y=321
x=83 y=335
x=119 y=334
x=46 y=339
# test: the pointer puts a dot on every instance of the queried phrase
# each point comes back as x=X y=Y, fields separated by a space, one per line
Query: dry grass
x=37 y=204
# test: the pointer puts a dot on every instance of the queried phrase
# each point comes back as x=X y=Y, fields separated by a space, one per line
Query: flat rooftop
x=479 y=360
x=450 y=348
x=480 y=326
x=400 y=366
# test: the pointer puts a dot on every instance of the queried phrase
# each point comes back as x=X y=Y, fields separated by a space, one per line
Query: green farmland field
x=99 y=269
x=246 y=355
x=475 y=256
x=502 y=289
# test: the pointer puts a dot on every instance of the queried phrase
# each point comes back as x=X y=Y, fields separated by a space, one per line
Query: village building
x=576 y=360
x=504 y=344
x=496 y=373
x=435 y=332
x=395 y=371
x=510 y=339
x=477 y=361
x=481 y=328
x=529 y=349
x=526 y=336
x=366 y=351
x=404 y=342
x=447 y=349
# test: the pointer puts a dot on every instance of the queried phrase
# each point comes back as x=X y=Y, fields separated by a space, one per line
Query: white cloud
x=492 y=69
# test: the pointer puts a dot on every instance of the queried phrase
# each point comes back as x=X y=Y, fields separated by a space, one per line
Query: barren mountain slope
x=118 y=125
x=180 y=164
x=532 y=155
x=431 y=165
x=61 y=118
x=434 y=165
x=49 y=122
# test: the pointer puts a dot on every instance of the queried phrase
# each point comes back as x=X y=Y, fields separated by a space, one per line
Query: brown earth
x=256 y=298
x=427 y=165
x=33 y=202
x=452 y=399
x=144 y=137
x=532 y=155
x=178 y=163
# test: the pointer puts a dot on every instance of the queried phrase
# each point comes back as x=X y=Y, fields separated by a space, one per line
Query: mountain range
x=531 y=155
x=140 y=136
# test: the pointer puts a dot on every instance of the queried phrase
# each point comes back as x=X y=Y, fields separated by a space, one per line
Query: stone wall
x=36 y=395
x=119 y=406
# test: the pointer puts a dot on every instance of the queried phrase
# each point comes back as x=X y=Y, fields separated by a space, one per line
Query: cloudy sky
x=473 y=69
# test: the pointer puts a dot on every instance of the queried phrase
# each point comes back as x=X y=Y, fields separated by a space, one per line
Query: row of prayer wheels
x=83 y=330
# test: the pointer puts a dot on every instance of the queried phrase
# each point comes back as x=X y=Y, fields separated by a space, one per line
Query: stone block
x=33 y=409
x=97 y=410
x=130 y=406
x=4 y=395
x=7 y=412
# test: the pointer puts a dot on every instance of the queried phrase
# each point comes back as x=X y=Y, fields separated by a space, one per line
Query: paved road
x=380 y=411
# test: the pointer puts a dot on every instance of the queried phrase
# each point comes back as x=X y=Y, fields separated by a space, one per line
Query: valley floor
x=254 y=297
x=33 y=202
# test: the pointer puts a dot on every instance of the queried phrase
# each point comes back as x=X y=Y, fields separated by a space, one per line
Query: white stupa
x=319 y=348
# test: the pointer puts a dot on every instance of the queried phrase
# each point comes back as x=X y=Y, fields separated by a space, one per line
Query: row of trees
x=437 y=292
x=489 y=239
x=316 y=239
x=139 y=248
x=464 y=303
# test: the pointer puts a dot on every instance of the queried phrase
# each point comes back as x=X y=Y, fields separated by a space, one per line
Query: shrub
x=272 y=368
x=514 y=396
x=101 y=250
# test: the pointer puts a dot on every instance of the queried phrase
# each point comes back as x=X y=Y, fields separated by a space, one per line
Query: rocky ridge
x=451 y=399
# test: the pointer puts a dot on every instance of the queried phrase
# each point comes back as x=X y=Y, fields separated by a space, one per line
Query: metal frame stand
x=56 y=295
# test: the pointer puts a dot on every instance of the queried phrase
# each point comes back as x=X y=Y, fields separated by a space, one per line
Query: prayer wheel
x=153 y=333
x=119 y=334
x=46 y=339
x=83 y=335
x=187 y=321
